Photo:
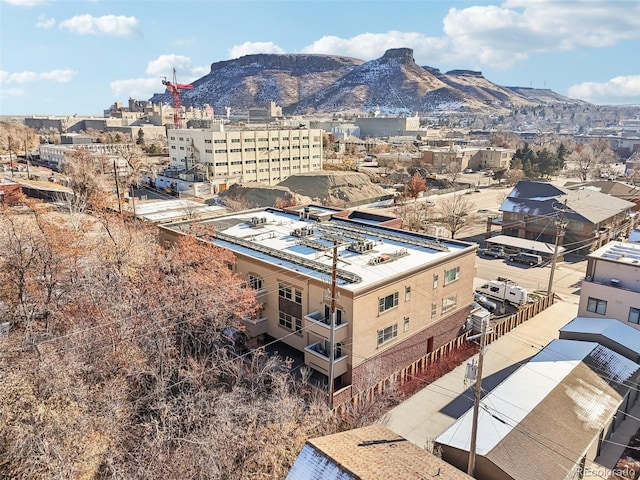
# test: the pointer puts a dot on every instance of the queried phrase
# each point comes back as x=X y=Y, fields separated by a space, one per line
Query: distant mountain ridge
x=393 y=83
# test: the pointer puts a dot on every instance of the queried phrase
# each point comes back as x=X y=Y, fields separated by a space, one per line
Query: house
x=400 y=294
x=620 y=190
x=368 y=453
x=611 y=288
x=592 y=218
x=10 y=192
x=548 y=419
x=248 y=155
x=608 y=332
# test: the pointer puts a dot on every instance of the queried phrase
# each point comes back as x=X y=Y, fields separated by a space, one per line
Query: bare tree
x=513 y=176
x=454 y=213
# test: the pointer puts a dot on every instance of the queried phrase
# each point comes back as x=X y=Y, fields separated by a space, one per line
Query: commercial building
x=550 y=418
x=400 y=294
x=456 y=158
x=611 y=288
x=239 y=156
x=54 y=156
x=389 y=126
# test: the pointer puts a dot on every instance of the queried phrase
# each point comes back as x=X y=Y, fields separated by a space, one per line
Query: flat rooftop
x=621 y=252
x=367 y=253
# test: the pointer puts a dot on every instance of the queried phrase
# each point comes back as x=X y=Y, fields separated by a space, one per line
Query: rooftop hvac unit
x=258 y=220
x=361 y=247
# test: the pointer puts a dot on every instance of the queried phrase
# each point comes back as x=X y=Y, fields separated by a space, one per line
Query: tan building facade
x=238 y=156
x=611 y=288
x=399 y=294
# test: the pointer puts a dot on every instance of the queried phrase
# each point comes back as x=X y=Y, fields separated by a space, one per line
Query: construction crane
x=174 y=89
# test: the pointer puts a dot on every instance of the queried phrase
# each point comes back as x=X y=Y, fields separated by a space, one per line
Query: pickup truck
x=495 y=252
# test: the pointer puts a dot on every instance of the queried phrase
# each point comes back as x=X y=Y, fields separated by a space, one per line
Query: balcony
x=320 y=324
x=255 y=326
x=317 y=358
x=614 y=283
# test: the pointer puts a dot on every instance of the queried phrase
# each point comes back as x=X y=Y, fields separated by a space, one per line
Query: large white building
x=238 y=156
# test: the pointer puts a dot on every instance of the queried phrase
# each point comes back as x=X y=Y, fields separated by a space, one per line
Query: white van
x=507 y=291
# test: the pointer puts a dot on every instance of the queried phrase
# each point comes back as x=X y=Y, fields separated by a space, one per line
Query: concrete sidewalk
x=436 y=407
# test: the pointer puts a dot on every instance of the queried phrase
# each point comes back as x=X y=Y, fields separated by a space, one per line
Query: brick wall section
x=404 y=353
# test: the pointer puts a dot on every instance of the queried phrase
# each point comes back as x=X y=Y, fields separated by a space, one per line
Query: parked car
x=528 y=258
x=495 y=252
x=468 y=170
x=485 y=302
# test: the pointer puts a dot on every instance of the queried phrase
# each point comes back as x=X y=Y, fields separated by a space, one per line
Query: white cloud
x=623 y=89
x=249 y=48
x=44 y=22
x=112 y=25
x=372 y=45
x=20 y=78
x=136 y=87
x=499 y=36
x=503 y=36
x=60 y=76
x=25 y=3
x=164 y=65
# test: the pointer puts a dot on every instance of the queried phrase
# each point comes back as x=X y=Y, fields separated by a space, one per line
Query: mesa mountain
x=393 y=83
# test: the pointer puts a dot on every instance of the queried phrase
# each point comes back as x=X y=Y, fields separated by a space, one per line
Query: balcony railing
x=318 y=358
x=612 y=282
x=256 y=326
x=320 y=317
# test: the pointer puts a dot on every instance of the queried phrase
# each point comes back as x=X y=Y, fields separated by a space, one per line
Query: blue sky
x=80 y=56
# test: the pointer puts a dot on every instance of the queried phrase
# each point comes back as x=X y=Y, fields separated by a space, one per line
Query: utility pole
x=476 y=401
x=332 y=327
x=561 y=226
x=10 y=156
x=26 y=159
x=115 y=175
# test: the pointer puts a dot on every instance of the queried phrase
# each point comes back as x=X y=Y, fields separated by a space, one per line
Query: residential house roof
x=616 y=189
x=601 y=329
x=545 y=199
x=541 y=419
x=372 y=452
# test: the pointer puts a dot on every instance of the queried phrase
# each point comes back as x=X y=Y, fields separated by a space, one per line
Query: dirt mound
x=334 y=187
x=255 y=196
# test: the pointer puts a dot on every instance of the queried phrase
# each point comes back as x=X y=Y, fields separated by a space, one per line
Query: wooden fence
x=344 y=399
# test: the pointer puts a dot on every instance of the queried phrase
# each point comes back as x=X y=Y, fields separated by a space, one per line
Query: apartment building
x=239 y=156
x=611 y=288
x=400 y=294
x=456 y=158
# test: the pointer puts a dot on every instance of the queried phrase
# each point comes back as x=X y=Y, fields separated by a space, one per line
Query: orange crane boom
x=174 y=89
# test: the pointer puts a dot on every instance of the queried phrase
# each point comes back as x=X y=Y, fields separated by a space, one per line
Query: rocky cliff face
x=393 y=83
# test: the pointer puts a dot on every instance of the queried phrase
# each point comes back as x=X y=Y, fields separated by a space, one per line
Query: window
x=387 y=334
x=406 y=324
x=236 y=150
x=255 y=282
x=207 y=150
x=249 y=140
x=222 y=150
x=435 y=280
x=235 y=140
x=451 y=275
x=596 y=305
x=449 y=303
x=634 y=315
x=293 y=294
x=434 y=310
x=388 y=302
x=220 y=141
x=207 y=141
x=290 y=322
x=407 y=294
